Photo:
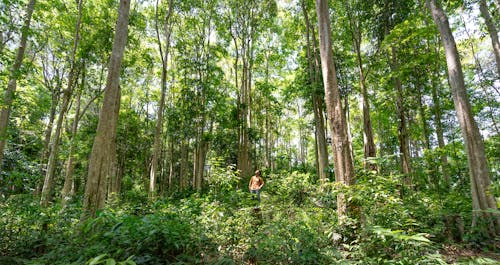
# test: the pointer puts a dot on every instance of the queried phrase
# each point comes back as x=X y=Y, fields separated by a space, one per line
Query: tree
x=369 y=148
x=245 y=19
x=344 y=167
x=317 y=98
x=480 y=181
x=159 y=122
x=67 y=94
x=103 y=157
x=13 y=76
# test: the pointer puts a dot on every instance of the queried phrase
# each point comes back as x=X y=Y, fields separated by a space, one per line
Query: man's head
x=257 y=172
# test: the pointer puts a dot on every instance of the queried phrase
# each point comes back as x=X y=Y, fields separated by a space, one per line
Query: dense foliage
x=211 y=90
x=295 y=224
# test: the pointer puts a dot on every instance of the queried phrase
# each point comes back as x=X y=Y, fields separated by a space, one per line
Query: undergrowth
x=296 y=223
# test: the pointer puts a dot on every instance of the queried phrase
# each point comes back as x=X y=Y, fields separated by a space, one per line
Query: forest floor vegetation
x=296 y=224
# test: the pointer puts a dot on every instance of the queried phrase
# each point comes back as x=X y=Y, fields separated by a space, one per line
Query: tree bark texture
x=344 y=167
x=482 y=200
x=103 y=156
x=8 y=97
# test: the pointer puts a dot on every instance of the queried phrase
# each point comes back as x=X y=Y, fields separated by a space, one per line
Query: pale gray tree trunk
x=103 y=156
x=344 y=167
x=159 y=121
x=482 y=200
x=492 y=30
x=8 y=97
x=48 y=183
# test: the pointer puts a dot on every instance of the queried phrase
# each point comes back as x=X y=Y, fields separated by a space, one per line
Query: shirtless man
x=255 y=184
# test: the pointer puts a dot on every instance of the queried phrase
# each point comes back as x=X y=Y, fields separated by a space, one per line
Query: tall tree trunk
x=101 y=161
x=171 y=166
x=159 y=120
x=434 y=75
x=321 y=145
x=48 y=133
x=402 y=125
x=369 y=148
x=439 y=133
x=492 y=30
x=482 y=200
x=423 y=117
x=8 y=97
x=425 y=130
x=267 y=135
x=344 y=167
x=48 y=182
x=68 y=189
x=183 y=177
x=319 y=122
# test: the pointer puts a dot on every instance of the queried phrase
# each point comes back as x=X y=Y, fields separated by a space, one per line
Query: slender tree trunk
x=48 y=183
x=159 y=120
x=48 y=134
x=438 y=112
x=200 y=156
x=344 y=167
x=68 y=188
x=425 y=131
x=267 y=135
x=184 y=165
x=439 y=133
x=321 y=138
x=101 y=161
x=480 y=180
x=321 y=146
x=8 y=97
x=402 y=125
x=171 y=166
x=369 y=148
x=492 y=30
x=421 y=110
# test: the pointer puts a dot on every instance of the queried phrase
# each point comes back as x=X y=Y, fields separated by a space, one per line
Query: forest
x=249 y=132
